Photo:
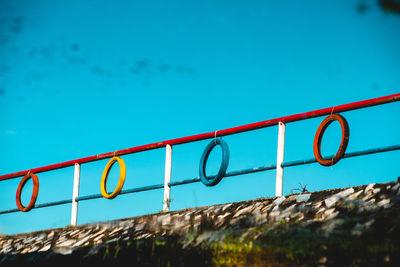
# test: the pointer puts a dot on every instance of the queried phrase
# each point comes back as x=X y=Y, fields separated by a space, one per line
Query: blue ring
x=211 y=181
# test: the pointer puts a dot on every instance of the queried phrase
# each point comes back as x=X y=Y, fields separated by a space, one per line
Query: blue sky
x=80 y=78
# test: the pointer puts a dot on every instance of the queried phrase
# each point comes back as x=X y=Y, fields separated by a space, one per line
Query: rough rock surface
x=355 y=226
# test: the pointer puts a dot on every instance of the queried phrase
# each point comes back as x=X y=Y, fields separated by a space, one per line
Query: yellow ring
x=104 y=177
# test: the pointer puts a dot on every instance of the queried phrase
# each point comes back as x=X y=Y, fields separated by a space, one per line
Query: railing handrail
x=218 y=133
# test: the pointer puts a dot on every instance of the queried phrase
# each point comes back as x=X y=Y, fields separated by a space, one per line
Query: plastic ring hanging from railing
x=343 y=143
x=211 y=181
x=35 y=192
x=104 y=177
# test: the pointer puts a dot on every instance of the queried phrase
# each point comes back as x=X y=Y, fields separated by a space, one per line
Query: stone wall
x=350 y=226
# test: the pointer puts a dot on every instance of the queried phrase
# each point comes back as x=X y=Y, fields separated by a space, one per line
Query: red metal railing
x=219 y=133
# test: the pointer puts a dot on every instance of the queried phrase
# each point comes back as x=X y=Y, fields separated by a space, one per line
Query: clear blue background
x=80 y=78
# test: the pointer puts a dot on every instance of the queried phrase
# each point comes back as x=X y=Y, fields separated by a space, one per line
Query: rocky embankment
x=355 y=226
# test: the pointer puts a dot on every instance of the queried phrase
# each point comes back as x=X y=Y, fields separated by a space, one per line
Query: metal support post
x=279 y=159
x=167 y=177
x=75 y=194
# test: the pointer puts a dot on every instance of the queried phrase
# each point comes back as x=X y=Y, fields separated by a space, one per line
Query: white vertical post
x=279 y=159
x=75 y=194
x=167 y=177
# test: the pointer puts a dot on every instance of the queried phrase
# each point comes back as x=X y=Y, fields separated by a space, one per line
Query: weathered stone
x=279 y=200
x=369 y=188
x=303 y=198
x=384 y=203
x=289 y=199
x=354 y=195
x=243 y=211
x=64 y=250
x=118 y=229
x=288 y=211
x=395 y=187
x=96 y=234
x=321 y=210
x=82 y=241
x=317 y=204
x=330 y=201
x=45 y=248
x=50 y=235
x=368 y=196
x=376 y=190
x=226 y=206
x=66 y=243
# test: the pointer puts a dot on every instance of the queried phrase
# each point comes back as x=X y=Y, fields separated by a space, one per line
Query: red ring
x=343 y=143
x=34 y=192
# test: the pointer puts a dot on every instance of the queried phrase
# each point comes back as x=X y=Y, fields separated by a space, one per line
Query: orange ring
x=343 y=143
x=34 y=192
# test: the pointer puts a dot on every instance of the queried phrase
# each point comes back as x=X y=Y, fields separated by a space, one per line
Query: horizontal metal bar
x=55 y=203
x=251 y=170
x=372 y=151
x=213 y=134
x=187 y=181
x=88 y=197
x=346 y=155
x=9 y=211
x=141 y=189
x=228 y=174
x=43 y=205
x=126 y=191
x=298 y=162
